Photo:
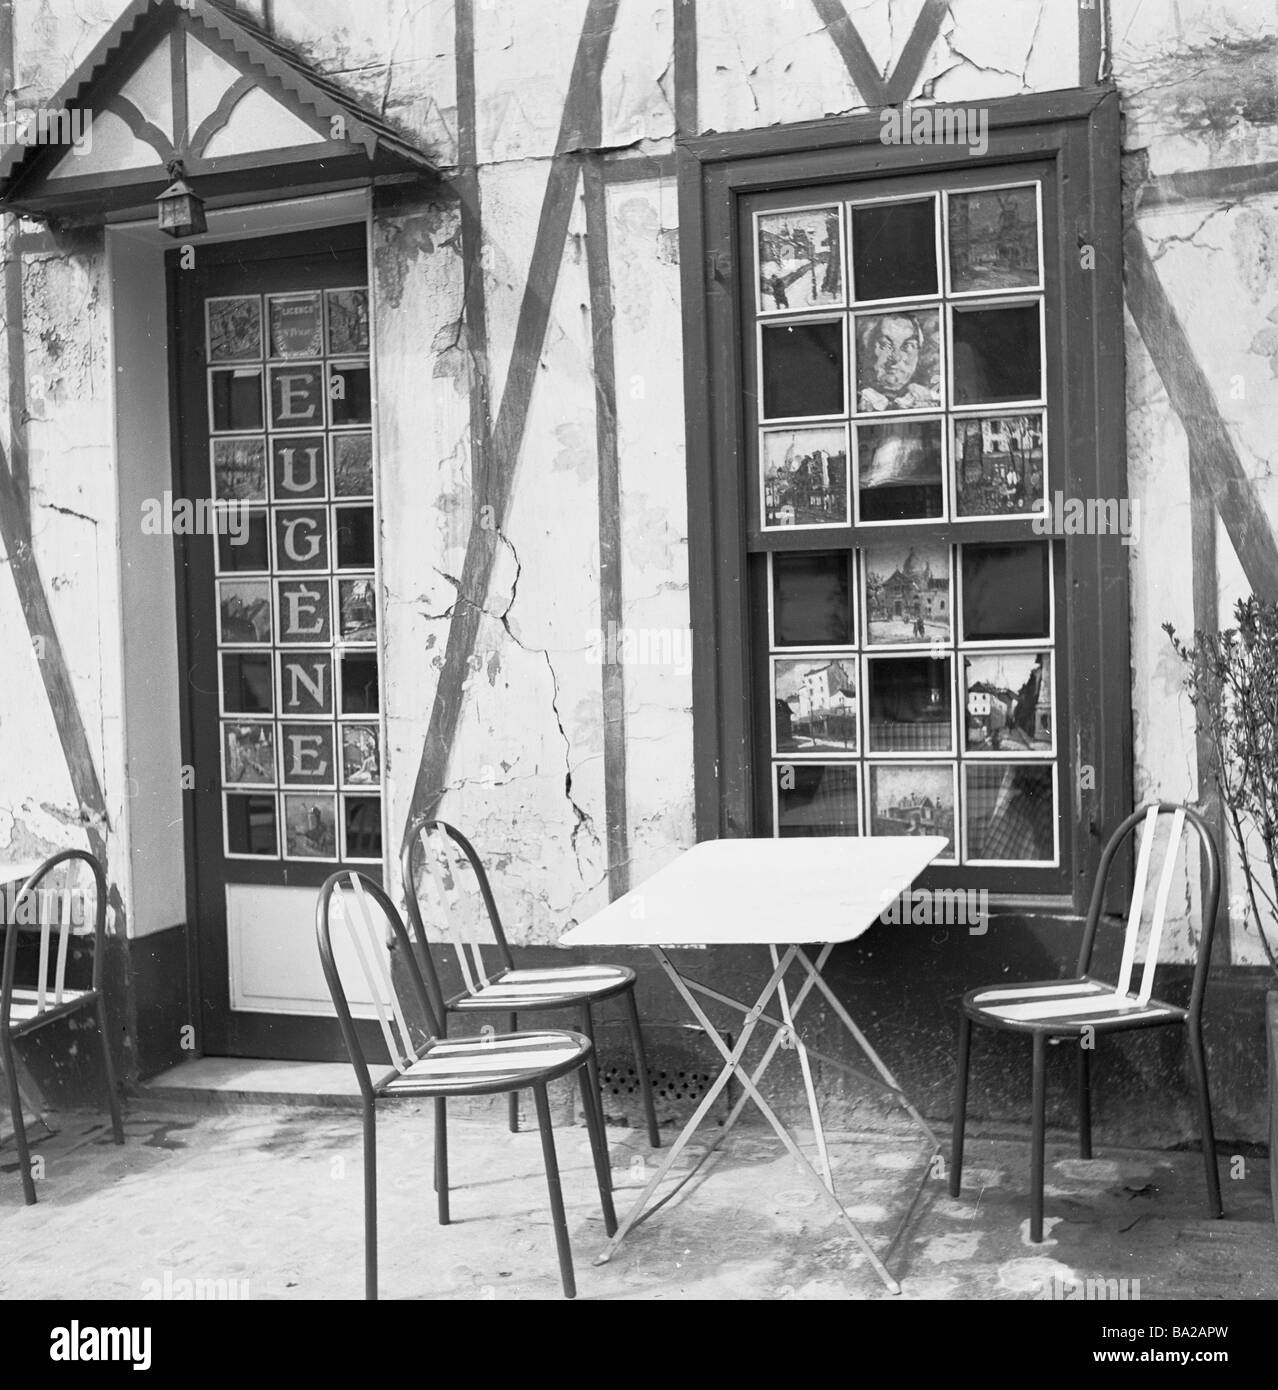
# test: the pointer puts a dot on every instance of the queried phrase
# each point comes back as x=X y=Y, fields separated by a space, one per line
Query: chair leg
x=1205 y=1127
x=108 y=1066
x=370 y=1202
x=556 y=1193
x=641 y=1067
x=599 y=1151
x=1084 y=1100
x=15 y=1110
x=512 y=1026
x=960 y=1104
x=586 y=1023
x=441 y=1158
x=1038 y=1107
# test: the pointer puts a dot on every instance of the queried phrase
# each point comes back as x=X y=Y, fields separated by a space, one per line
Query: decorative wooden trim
x=611 y=609
x=217 y=119
x=512 y=415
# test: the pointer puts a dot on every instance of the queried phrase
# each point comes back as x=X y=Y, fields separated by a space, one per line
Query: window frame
x=1076 y=133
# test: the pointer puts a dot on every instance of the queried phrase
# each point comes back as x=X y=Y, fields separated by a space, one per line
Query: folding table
x=788 y=895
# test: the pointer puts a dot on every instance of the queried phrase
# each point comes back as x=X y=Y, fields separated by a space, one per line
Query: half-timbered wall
x=530 y=392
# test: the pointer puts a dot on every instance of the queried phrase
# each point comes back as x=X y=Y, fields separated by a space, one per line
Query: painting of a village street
x=907 y=594
x=1008 y=702
x=805 y=477
x=815 y=705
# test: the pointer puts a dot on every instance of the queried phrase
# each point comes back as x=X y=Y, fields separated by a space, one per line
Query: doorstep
x=254 y=1081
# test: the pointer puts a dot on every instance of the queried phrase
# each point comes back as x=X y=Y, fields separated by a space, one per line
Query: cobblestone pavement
x=265 y=1203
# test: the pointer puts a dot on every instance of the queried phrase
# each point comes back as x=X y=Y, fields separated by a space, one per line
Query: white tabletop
x=748 y=892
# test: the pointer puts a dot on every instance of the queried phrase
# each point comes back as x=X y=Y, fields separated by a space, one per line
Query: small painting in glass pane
x=907 y=593
x=815 y=705
x=361 y=759
x=248 y=755
x=898 y=360
x=997 y=354
x=244 y=612
x=360 y=687
x=297 y=397
x=246 y=683
x=909 y=705
x=1006 y=592
x=894 y=250
x=348 y=321
x=900 y=473
x=802 y=369
x=310 y=826
x=297 y=327
x=307 y=756
x=306 y=683
x=1010 y=812
x=235 y=328
x=913 y=799
x=239 y=470
x=362 y=827
x=350 y=394
x=817 y=800
x=352 y=465
x=305 y=611
x=812 y=602
x=252 y=830
x=235 y=400
x=805 y=477
x=800 y=259
x=358 y=602
x=297 y=467
x=998 y=464
x=1008 y=703
x=994 y=240
x=301 y=538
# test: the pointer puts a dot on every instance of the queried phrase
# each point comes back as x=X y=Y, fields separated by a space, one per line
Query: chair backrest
x=55 y=899
x=359 y=909
x=435 y=864
x=1153 y=869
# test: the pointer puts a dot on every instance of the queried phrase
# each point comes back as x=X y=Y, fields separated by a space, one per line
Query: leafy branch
x=1231 y=678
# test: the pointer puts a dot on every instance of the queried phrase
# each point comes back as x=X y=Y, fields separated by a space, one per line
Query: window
x=903 y=375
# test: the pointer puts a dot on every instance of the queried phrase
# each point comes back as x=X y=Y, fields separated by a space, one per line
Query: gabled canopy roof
x=198 y=81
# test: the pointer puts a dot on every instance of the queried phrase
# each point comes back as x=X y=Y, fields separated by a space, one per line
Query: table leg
x=879 y=1065
x=733 y=1060
x=732 y=1056
x=814 y=1110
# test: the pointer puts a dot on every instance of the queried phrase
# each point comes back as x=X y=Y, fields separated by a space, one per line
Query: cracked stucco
x=526 y=776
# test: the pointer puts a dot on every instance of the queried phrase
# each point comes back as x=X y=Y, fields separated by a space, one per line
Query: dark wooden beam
x=1214 y=463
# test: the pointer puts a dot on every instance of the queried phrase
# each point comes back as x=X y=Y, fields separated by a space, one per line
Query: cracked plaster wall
x=1200 y=92
x=1197 y=82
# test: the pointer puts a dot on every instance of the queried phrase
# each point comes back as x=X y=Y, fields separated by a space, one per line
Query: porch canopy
x=196 y=81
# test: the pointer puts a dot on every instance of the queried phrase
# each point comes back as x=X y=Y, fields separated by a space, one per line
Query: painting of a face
x=896 y=353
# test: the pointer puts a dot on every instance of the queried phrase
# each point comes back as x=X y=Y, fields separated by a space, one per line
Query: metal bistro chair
x=507 y=990
x=1056 y=1010
x=438 y=1067
x=24 y=1009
